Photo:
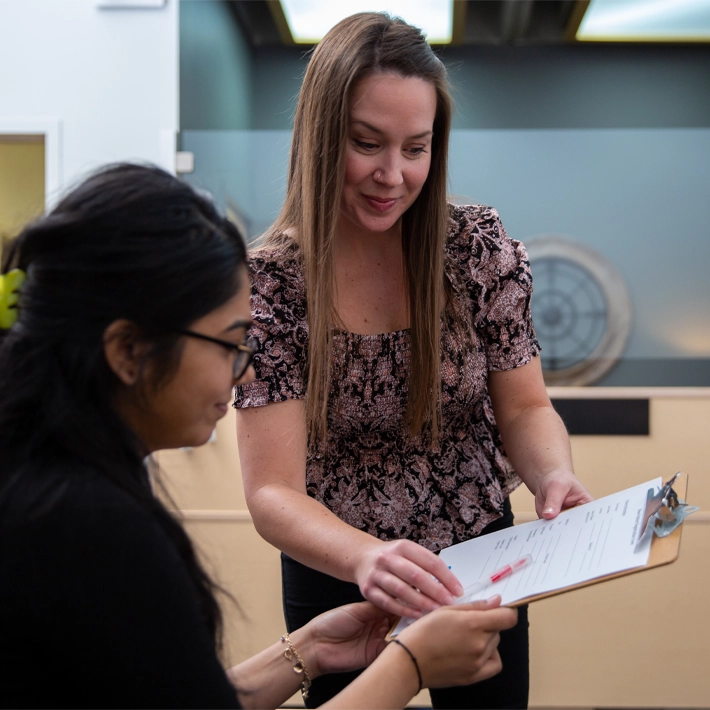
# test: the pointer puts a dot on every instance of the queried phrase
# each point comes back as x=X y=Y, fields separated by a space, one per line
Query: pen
x=499 y=574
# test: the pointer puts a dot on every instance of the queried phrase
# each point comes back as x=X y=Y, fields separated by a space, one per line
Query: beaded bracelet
x=414 y=661
x=299 y=667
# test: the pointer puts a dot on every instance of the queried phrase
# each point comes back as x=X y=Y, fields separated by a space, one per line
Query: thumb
x=482 y=604
x=554 y=498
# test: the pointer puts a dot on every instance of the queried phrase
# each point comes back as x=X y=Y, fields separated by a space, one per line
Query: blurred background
x=604 y=143
x=585 y=124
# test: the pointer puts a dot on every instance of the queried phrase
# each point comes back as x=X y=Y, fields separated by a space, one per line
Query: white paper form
x=580 y=544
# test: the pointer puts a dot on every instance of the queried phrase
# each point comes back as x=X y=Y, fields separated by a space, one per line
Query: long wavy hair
x=357 y=47
x=130 y=242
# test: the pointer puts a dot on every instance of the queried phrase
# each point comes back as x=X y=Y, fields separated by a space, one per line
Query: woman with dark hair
x=397 y=355
x=123 y=320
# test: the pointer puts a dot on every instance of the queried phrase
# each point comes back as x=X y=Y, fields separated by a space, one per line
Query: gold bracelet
x=299 y=667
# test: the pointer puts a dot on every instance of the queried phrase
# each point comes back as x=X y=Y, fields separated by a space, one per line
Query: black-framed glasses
x=244 y=351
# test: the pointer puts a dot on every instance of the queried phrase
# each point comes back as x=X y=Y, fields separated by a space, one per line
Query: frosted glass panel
x=641 y=198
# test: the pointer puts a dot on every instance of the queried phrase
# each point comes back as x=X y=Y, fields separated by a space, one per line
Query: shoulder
x=462 y=218
x=278 y=288
x=474 y=224
x=476 y=240
x=114 y=523
x=111 y=512
x=276 y=266
x=75 y=512
x=278 y=296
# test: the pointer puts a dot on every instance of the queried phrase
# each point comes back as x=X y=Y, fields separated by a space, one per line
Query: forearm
x=308 y=532
x=390 y=682
x=536 y=443
x=535 y=438
x=399 y=576
x=267 y=680
x=273 y=455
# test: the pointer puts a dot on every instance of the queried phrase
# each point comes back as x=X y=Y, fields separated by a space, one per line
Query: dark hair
x=131 y=242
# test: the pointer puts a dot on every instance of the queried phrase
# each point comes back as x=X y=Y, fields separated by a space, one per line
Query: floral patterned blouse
x=369 y=471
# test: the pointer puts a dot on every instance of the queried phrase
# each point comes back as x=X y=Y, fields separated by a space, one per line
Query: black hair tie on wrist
x=414 y=661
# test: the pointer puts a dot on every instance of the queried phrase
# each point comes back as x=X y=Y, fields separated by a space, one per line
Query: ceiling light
x=646 y=21
x=309 y=20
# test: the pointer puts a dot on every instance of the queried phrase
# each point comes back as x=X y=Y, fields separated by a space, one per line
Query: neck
x=353 y=242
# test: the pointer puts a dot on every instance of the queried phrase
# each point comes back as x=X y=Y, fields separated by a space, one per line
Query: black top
x=97 y=609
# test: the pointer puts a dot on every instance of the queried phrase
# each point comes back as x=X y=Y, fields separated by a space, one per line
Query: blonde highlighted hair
x=357 y=47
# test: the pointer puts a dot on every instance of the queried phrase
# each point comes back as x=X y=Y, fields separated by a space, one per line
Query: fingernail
x=458 y=590
x=549 y=510
x=450 y=599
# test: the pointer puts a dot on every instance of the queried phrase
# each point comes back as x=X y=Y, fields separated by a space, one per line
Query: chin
x=368 y=222
x=383 y=224
x=194 y=439
x=203 y=438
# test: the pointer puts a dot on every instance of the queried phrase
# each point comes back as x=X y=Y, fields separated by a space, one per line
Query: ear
x=124 y=350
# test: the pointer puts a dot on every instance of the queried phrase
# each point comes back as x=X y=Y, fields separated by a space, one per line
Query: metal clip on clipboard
x=665 y=509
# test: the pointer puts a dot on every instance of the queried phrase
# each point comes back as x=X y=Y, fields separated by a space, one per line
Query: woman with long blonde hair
x=397 y=355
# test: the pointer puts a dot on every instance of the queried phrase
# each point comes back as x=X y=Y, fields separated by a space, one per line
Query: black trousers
x=307 y=593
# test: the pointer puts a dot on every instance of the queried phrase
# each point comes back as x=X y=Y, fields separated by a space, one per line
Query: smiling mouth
x=379 y=203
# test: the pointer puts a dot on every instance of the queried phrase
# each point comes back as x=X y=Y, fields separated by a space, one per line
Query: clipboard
x=665 y=548
x=665 y=511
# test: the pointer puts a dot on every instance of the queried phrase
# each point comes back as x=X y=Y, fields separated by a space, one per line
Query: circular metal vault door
x=581 y=310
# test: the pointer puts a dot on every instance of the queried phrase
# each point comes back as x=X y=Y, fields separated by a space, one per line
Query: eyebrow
x=374 y=129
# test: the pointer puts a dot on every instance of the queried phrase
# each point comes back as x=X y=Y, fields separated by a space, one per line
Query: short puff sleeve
x=497 y=271
x=280 y=326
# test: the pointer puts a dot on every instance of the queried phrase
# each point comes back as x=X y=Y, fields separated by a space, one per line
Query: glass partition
x=616 y=222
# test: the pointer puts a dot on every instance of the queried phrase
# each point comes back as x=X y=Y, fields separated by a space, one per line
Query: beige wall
x=615 y=644
x=21 y=182
x=640 y=641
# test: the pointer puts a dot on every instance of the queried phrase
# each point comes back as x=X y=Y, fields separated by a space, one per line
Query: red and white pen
x=499 y=574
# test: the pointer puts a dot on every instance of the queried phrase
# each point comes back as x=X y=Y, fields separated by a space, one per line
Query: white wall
x=103 y=81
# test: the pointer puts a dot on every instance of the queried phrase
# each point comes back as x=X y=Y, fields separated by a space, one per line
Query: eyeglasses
x=244 y=351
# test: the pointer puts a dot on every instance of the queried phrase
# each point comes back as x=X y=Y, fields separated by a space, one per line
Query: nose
x=389 y=170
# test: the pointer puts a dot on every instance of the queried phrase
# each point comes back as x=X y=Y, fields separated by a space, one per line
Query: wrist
x=403 y=655
x=365 y=552
x=306 y=643
x=537 y=479
x=414 y=660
